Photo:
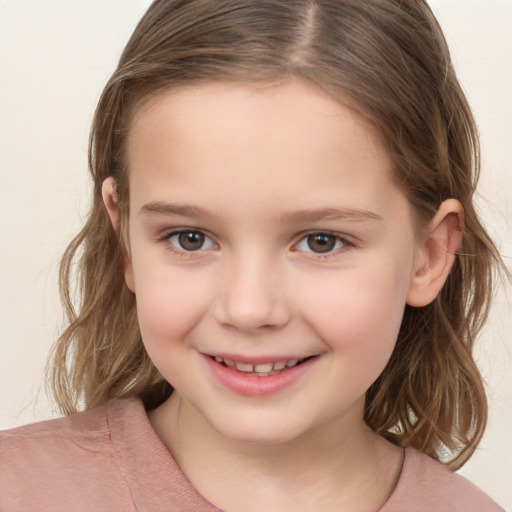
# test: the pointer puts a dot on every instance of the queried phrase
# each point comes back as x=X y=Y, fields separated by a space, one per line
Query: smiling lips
x=246 y=378
x=262 y=369
x=259 y=377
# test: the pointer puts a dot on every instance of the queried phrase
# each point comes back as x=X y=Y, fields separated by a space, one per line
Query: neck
x=326 y=467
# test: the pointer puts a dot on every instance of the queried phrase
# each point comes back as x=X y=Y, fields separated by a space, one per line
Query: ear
x=111 y=200
x=436 y=253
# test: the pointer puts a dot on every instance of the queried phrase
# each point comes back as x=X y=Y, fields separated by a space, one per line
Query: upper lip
x=258 y=359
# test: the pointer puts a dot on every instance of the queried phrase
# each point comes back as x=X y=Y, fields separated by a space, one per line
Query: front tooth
x=230 y=363
x=218 y=359
x=279 y=365
x=292 y=362
x=242 y=367
x=263 y=368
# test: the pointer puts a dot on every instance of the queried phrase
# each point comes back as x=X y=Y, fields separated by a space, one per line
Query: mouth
x=261 y=376
x=266 y=369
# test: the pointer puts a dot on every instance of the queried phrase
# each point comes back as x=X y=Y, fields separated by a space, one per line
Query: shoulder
x=53 y=465
x=426 y=485
x=62 y=436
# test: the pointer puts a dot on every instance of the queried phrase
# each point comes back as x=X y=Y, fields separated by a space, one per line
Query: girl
x=281 y=277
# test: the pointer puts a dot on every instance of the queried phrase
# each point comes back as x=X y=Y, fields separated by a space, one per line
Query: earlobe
x=111 y=200
x=436 y=254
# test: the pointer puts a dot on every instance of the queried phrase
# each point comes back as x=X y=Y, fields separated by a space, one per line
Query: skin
x=249 y=160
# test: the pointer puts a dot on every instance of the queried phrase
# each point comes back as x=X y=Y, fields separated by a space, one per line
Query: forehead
x=278 y=143
x=240 y=106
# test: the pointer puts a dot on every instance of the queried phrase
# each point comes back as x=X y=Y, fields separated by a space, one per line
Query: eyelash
x=184 y=253
x=345 y=244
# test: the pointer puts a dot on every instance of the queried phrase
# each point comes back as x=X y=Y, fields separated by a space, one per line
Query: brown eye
x=321 y=242
x=188 y=241
x=191 y=240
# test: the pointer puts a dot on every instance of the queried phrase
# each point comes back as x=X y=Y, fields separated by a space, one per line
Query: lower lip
x=252 y=385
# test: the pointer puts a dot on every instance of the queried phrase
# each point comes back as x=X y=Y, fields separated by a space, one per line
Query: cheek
x=169 y=305
x=358 y=311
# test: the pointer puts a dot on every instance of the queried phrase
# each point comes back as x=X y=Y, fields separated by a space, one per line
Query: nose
x=252 y=296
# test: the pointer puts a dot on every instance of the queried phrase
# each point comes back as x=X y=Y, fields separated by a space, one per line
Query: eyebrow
x=314 y=215
x=182 y=210
x=291 y=217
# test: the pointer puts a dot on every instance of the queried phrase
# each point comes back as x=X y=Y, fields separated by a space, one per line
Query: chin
x=260 y=432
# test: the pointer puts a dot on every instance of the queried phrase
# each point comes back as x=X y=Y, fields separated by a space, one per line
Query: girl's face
x=265 y=230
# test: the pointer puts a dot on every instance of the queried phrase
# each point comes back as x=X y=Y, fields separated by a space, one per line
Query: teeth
x=243 y=367
x=261 y=370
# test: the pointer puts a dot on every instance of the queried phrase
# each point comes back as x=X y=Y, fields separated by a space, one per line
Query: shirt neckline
x=154 y=477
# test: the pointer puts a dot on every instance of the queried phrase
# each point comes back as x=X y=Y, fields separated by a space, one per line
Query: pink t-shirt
x=111 y=460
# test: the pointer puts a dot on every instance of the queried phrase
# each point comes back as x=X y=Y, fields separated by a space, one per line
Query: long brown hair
x=388 y=60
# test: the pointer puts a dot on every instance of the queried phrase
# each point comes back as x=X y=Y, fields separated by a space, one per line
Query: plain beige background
x=56 y=55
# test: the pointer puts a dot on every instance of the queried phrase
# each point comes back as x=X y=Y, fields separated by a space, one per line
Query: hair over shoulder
x=386 y=59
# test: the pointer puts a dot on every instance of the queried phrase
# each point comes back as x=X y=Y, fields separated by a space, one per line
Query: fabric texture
x=111 y=460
